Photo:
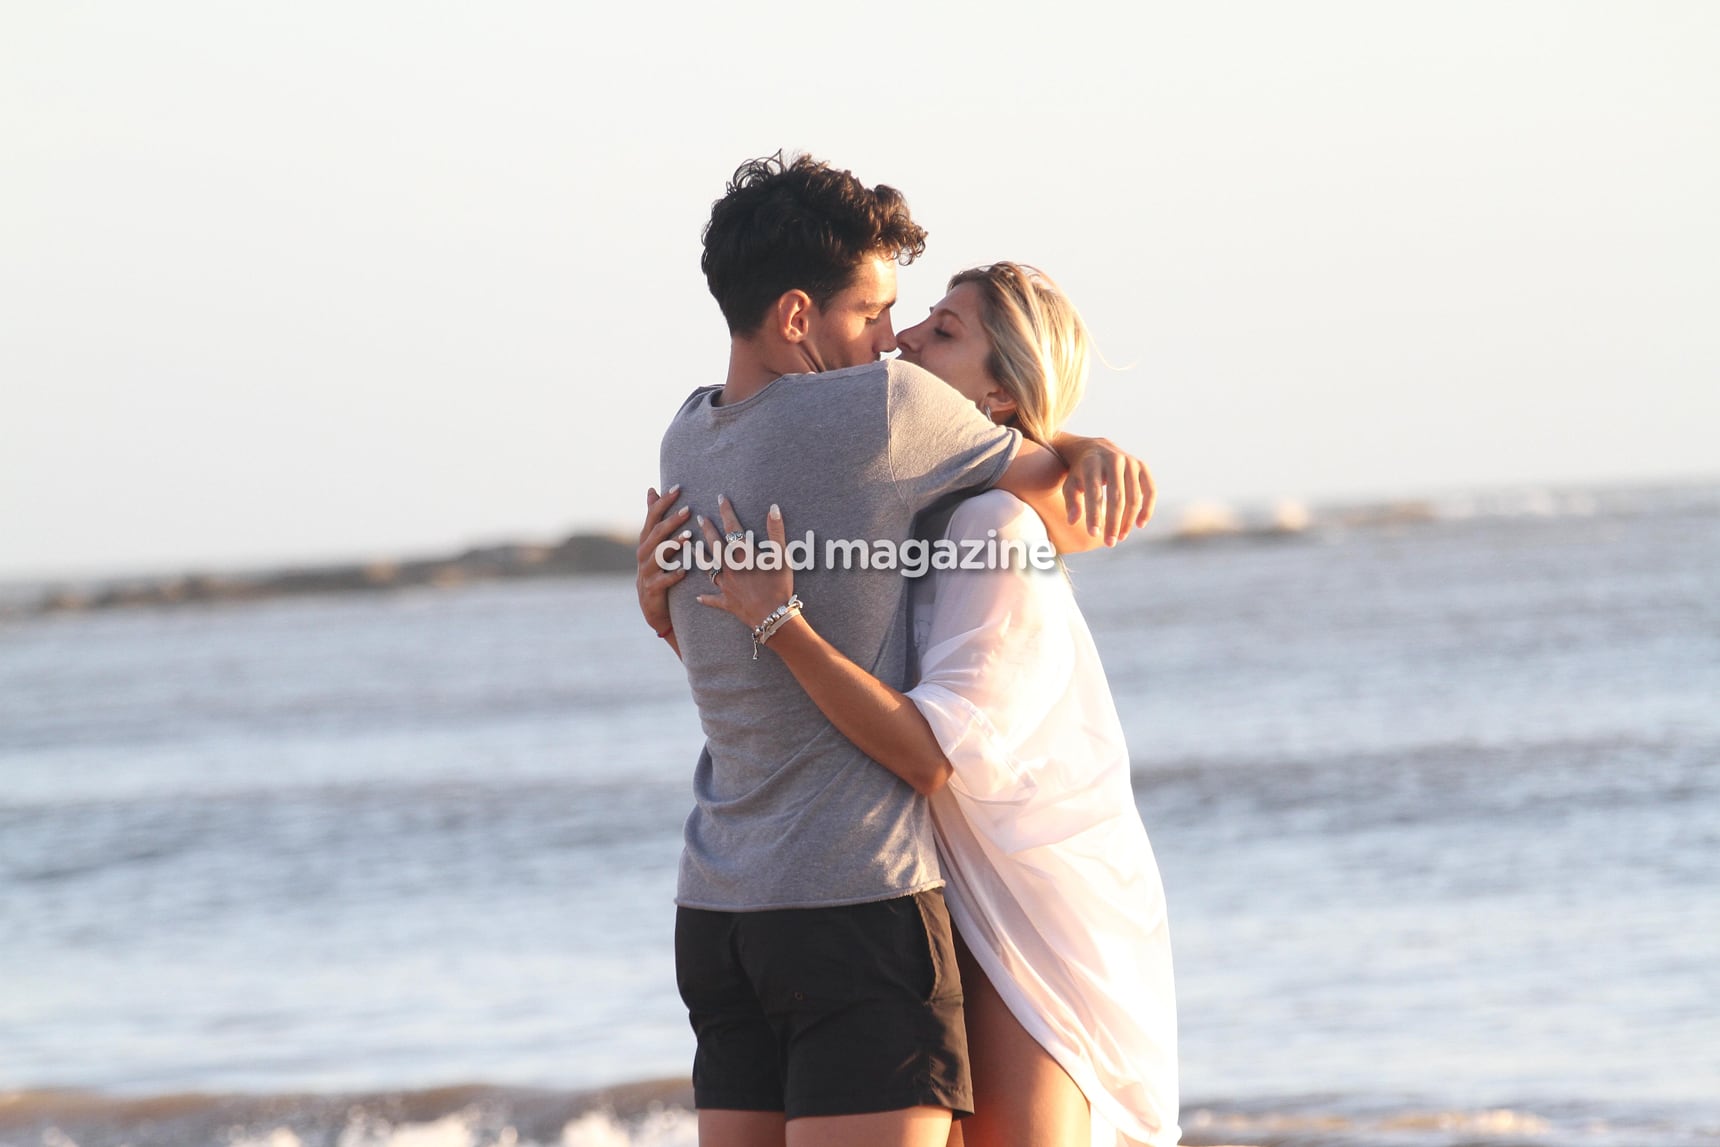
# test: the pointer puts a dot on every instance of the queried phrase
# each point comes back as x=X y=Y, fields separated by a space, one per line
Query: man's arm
x=1115 y=489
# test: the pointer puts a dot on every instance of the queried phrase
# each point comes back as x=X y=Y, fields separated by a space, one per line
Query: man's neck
x=753 y=367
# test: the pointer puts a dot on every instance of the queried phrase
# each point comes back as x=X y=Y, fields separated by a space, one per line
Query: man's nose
x=888 y=342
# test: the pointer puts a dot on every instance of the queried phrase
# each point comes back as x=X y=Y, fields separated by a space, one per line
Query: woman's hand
x=750 y=594
x=651 y=581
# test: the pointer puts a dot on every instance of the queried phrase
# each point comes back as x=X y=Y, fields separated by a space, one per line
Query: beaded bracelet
x=764 y=630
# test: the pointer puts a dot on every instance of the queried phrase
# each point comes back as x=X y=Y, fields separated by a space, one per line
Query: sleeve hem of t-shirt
x=1004 y=459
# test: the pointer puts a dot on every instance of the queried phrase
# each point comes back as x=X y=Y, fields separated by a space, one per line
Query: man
x=813 y=950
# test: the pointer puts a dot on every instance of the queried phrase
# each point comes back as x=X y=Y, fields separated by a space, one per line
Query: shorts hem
x=728 y=1101
x=815 y=1106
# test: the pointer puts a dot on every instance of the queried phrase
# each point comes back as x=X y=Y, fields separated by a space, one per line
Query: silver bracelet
x=764 y=630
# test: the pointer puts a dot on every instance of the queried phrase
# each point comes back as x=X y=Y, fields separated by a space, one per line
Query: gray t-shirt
x=789 y=814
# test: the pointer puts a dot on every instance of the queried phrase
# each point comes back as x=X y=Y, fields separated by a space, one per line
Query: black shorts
x=825 y=1011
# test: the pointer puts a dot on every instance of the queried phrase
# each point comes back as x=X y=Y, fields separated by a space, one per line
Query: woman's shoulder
x=996 y=510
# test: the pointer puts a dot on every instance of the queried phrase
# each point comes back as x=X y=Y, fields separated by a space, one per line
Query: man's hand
x=652 y=581
x=1113 y=487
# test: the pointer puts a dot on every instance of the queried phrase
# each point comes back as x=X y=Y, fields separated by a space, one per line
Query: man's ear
x=792 y=316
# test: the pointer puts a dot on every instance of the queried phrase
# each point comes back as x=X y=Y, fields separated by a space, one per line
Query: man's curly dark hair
x=798 y=225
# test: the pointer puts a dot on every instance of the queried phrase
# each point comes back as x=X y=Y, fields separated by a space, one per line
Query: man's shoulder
x=885 y=388
x=906 y=375
x=694 y=401
x=889 y=373
x=921 y=396
x=867 y=376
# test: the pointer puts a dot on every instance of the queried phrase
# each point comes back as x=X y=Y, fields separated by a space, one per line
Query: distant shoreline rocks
x=1290 y=518
x=578 y=555
x=582 y=555
x=1202 y=521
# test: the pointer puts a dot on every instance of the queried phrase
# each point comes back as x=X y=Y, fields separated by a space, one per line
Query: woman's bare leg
x=913 y=1127
x=1021 y=1096
x=740 y=1128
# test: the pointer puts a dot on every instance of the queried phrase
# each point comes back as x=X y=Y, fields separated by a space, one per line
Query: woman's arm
x=881 y=722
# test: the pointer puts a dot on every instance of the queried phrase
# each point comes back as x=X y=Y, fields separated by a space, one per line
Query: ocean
x=1435 y=796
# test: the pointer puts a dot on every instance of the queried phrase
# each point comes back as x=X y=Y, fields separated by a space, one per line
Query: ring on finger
x=735 y=536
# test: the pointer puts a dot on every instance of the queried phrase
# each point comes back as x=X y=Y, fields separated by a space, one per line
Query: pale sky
x=317 y=280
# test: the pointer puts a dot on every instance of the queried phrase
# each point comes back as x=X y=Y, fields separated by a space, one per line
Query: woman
x=1011 y=732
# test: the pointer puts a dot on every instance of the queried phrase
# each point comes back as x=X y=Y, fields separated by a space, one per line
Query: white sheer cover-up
x=1050 y=877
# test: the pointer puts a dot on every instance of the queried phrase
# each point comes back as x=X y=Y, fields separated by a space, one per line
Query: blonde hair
x=1039 y=347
